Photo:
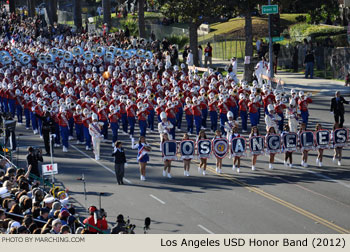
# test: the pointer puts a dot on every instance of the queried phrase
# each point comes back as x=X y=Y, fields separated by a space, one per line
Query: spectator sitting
x=56 y=227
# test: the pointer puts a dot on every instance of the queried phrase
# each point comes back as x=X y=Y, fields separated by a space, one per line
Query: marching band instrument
x=88 y=55
x=77 y=51
x=25 y=59
x=68 y=56
x=100 y=51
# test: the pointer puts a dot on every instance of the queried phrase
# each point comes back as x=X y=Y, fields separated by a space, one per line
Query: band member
x=86 y=122
x=253 y=106
x=243 y=109
x=271 y=119
x=142 y=115
x=131 y=113
x=114 y=117
x=319 y=150
x=164 y=127
x=95 y=130
x=287 y=154
x=303 y=106
x=103 y=117
x=213 y=112
x=187 y=162
x=229 y=125
x=78 y=121
x=19 y=106
x=279 y=108
x=63 y=124
x=171 y=115
x=203 y=161
x=189 y=115
x=142 y=155
x=292 y=116
x=26 y=110
x=167 y=163
x=223 y=109
x=197 y=113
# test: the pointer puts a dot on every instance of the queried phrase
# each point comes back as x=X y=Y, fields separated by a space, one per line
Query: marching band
x=91 y=88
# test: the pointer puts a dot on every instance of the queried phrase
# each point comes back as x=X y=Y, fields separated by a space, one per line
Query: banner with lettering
x=169 y=149
x=340 y=137
x=307 y=141
x=257 y=145
x=204 y=148
x=290 y=141
x=238 y=146
x=220 y=147
x=323 y=138
x=187 y=148
x=273 y=143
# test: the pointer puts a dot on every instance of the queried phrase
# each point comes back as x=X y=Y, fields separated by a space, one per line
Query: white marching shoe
x=97 y=158
x=70 y=138
x=238 y=170
x=164 y=173
x=199 y=169
x=233 y=167
x=204 y=173
x=319 y=164
x=285 y=163
x=65 y=149
x=339 y=163
x=169 y=175
x=270 y=166
x=253 y=168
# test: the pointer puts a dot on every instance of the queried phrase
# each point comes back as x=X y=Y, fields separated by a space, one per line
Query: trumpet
x=258 y=90
x=151 y=96
x=49 y=109
x=308 y=94
x=206 y=95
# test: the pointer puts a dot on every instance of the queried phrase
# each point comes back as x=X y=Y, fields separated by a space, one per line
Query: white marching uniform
x=271 y=121
x=291 y=114
x=228 y=127
x=96 y=136
x=165 y=128
x=261 y=69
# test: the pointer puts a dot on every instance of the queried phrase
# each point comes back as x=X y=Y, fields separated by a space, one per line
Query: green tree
x=193 y=12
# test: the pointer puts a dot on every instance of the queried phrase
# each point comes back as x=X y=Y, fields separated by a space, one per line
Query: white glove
x=126 y=165
x=132 y=140
x=332 y=112
x=33 y=109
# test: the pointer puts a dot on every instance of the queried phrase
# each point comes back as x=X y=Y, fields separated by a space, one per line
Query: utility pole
x=270 y=46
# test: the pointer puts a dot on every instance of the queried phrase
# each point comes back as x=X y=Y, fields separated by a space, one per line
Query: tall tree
x=193 y=12
x=77 y=14
x=106 y=5
x=31 y=8
x=141 y=14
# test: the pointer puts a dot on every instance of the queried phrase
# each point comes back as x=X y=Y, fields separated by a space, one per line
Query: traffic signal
x=275 y=26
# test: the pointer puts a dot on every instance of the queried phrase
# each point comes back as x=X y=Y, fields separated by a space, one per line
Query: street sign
x=275 y=39
x=269 y=9
x=49 y=169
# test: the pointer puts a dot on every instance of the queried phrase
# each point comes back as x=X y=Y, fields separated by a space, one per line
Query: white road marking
x=205 y=229
x=318 y=174
x=159 y=200
x=96 y=161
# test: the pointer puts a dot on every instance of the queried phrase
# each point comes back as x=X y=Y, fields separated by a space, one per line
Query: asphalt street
x=283 y=200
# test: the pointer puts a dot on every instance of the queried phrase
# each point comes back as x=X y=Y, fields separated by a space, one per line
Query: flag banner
x=257 y=145
x=169 y=149
x=187 y=148
x=307 y=141
x=290 y=141
x=238 y=146
x=204 y=148
x=273 y=143
x=323 y=138
x=220 y=147
x=340 y=137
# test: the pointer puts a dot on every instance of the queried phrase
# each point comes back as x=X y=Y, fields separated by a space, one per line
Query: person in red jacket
x=95 y=220
x=223 y=109
x=114 y=117
x=253 y=106
x=102 y=113
x=63 y=123
x=303 y=106
x=131 y=113
x=243 y=109
x=279 y=108
x=213 y=112
x=142 y=115
x=78 y=121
